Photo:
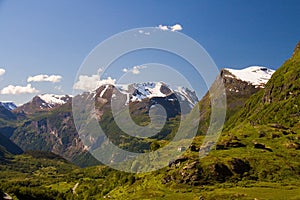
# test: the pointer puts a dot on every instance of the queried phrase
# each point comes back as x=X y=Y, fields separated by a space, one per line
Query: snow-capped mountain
x=8 y=105
x=52 y=100
x=255 y=75
x=140 y=91
x=140 y=97
x=44 y=102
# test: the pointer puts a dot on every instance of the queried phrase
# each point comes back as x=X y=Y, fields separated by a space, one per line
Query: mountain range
x=46 y=122
x=257 y=152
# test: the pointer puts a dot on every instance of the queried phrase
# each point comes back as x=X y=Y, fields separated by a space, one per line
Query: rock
x=262 y=146
x=177 y=162
x=167 y=179
x=268 y=149
x=259 y=146
x=191 y=176
x=193 y=148
x=293 y=145
x=220 y=147
x=234 y=144
x=201 y=198
x=239 y=166
x=262 y=134
x=230 y=144
x=5 y=196
x=285 y=132
x=274 y=135
x=220 y=171
x=278 y=126
x=191 y=165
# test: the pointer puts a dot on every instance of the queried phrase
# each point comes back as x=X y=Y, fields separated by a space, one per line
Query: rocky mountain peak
x=297 y=49
x=44 y=102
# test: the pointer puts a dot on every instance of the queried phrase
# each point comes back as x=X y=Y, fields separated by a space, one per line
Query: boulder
x=193 y=148
x=239 y=166
x=220 y=172
x=259 y=146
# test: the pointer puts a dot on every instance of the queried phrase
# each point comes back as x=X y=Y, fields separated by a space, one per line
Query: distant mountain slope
x=6 y=114
x=8 y=105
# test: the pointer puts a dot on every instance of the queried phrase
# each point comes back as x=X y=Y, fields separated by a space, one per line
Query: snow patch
x=8 y=105
x=255 y=75
x=54 y=99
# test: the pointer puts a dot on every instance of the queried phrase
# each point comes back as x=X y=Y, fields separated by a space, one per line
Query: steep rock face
x=237 y=88
x=237 y=91
x=54 y=132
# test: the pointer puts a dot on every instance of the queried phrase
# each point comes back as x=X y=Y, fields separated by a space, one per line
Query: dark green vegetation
x=257 y=155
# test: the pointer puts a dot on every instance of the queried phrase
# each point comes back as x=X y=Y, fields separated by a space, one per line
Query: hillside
x=279 y=102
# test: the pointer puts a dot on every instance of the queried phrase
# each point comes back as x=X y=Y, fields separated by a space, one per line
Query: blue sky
x=54 y=37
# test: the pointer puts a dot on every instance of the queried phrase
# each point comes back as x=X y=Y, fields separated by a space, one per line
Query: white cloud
x=43 y=77
x=176 y=27
x=2 y=71
x=11 y=89
x=90 y=83
x=163 y=27
x=135 y=69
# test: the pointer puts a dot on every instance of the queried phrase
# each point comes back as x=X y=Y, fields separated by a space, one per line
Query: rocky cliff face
x=239 y=86
x=55 y=132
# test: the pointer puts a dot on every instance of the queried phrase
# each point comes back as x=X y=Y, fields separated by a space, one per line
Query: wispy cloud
x=44 y=78
x=11 y=89
x=134 y=70
x=176 y=27
x=2 y=71
x=143 y=32
x=59 y=88
x=90 y=83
